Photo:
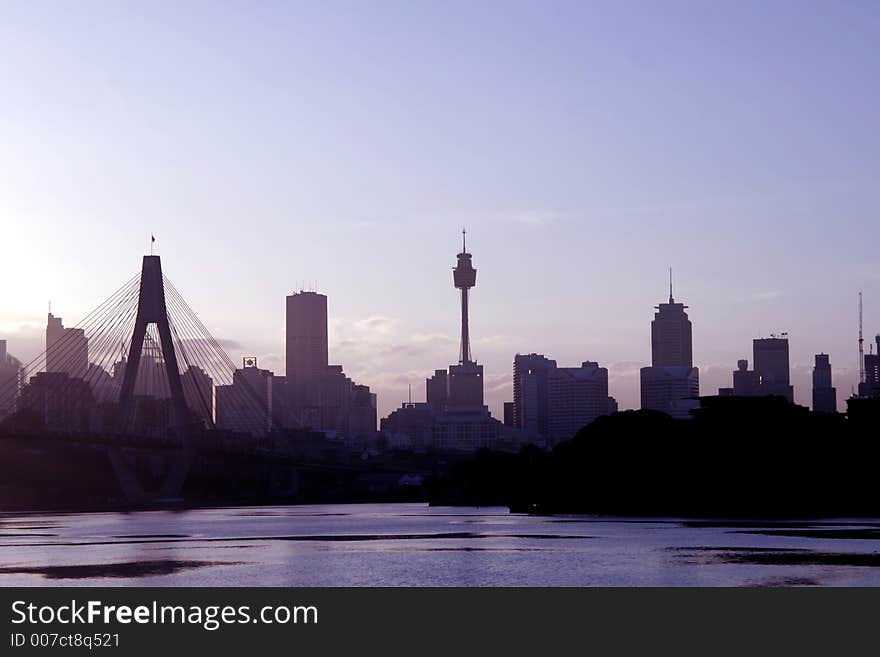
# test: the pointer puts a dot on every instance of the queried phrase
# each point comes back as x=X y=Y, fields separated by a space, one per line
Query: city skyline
x=803 y=396
x=261 y=153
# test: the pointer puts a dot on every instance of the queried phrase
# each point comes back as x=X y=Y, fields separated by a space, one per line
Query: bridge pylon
x=152 y=310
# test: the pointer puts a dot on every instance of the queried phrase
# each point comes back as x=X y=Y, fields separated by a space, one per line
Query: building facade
x=672 y=384
x=246 y=405
x=870 y=387
x=67 y=349
x=824 y=393
x=319 y=395
x=11 y=381
x=770 y=356
x=556 y=402
x=671 y=390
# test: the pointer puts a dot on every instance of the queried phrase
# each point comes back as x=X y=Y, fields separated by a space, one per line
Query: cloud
x=377 y=324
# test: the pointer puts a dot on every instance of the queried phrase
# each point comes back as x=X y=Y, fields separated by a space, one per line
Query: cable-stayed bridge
x=142 y=382
x=143 y=363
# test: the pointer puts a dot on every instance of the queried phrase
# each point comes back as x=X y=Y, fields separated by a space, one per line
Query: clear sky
x=587 y=146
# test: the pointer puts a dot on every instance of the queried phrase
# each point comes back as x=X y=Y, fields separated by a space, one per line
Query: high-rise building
x=672 y=390
x=319 y=395
x=465 y=385
x=575 y=397
x=824 y=393
x=746 y=382
x=437 y=389
x=306 y=347
x=556 y=402
x=11 y=381
x=508 y=414
x=198 y=390
x=530 y=392
x=62 y=402
x=671 y=339
x=770 y=356
x=770 y=375
x=67 y=349
x=870 y=387
x=672 y=383
x=246 y=405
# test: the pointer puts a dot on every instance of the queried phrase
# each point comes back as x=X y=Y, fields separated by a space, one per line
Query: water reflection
x=415 y=545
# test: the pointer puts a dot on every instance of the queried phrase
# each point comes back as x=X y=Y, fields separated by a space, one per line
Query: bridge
x=142 y=385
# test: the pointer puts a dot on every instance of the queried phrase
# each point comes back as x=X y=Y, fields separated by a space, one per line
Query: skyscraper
x=320 y=396
x=530 y=392
x=306 y=347
x=11 y=381
x=671 y=340
x=672 y=390
x=556 y=402
x=746 y=382
x=824 y=394
x=246 y=405
x=672 y=383
x=575 y=397
x=770 y=356
x=67 y=349
x=198 y=390
x=870 y=387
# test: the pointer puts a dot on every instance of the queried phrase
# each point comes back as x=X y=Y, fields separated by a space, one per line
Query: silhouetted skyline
x=584 y=164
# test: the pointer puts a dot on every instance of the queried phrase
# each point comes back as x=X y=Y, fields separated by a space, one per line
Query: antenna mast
x=861 y=345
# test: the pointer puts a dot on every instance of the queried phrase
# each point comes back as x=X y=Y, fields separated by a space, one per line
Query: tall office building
x=672 y=383
x=437 y=389
x=746 y=382
x=530 y=392
x=198 y=391
x=556 y=402
x=62 y=402
x=770 y=357
x=306 y=346
x=671 y=339
x=575 y=397
x=672 y=390
x=67 y=349
x=11 y=381
x=870 y=387
x=246 y=405
x=319 y=395
x=824 y=393
x=508 y=414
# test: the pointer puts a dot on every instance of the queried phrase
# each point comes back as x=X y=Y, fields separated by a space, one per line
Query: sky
x=586 y=146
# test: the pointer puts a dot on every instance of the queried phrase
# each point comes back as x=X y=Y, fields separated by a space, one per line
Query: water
x=417 y=545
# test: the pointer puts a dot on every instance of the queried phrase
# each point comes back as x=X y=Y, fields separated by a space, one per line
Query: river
x=417 y=545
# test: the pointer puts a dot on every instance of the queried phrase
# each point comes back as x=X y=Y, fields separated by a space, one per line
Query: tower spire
x=671 y=300
x=463 y=240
